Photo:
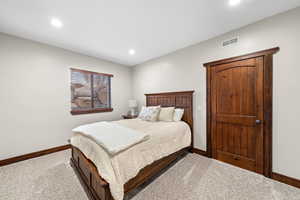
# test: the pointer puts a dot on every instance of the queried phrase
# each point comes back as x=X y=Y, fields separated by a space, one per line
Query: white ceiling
x=109 y=28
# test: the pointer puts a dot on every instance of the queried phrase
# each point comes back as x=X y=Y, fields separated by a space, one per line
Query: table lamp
x=132 y=105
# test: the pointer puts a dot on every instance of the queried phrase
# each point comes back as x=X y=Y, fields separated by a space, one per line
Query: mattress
x=165 y=139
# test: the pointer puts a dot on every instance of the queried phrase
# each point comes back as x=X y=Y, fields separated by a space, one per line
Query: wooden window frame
x=93 y=110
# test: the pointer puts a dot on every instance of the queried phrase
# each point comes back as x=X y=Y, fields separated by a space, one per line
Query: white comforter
x=165 y=139
x=113 y=137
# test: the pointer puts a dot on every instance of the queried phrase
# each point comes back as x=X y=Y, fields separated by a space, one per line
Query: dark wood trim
x=33 y=155
x=199 y=151
x=208 y=114
x=97 y=110
x=243 y=57
x=285 y=179
x=92 y=109
x=268 y=101
x=90 y=72
x=268 y=114
x=171 y=93
x=275 y=176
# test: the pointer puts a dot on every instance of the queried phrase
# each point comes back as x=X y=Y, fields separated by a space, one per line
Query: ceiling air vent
x=230 y=42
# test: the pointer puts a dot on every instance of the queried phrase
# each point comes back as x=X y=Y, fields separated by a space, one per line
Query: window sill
x=99 y=110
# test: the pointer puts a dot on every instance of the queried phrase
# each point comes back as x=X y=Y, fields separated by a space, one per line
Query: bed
x=85 y=164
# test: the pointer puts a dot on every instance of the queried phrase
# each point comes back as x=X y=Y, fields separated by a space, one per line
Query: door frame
x=267 y=96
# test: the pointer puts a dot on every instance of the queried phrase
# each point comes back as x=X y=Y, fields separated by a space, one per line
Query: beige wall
x=35 y=95
x=183 y=70
x=35 y=90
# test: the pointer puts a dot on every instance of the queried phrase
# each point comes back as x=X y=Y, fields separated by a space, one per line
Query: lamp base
x=132 y=112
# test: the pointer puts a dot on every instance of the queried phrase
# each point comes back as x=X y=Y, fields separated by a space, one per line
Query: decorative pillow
x=149 y=113
x=166 y=114
x=178 y=113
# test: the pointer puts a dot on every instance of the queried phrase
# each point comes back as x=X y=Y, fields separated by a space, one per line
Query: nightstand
x=129 y=116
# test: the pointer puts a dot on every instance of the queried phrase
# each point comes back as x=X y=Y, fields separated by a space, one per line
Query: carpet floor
x=193 y=177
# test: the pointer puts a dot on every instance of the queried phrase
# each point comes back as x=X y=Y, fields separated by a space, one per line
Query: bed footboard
x=95 y=187
x=98 y=189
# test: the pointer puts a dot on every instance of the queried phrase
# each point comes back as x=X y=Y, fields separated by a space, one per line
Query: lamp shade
x=132 y=103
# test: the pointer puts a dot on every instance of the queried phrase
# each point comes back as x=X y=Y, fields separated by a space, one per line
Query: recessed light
x=234 y=2
x=56 y=23
x=131 y=51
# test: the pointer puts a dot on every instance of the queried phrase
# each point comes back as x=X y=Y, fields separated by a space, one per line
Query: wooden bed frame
x=97 y=188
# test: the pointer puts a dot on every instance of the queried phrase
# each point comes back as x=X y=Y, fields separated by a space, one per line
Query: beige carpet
x=192 y=178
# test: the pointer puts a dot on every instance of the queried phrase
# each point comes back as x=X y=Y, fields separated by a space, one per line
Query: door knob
x=257 y=121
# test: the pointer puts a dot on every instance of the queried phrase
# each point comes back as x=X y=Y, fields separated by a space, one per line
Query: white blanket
x=113 y=137
x=165 y=139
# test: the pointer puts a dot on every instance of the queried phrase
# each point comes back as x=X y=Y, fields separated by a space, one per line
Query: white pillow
x=178 y=113
x=149 y=113
x=166 y=114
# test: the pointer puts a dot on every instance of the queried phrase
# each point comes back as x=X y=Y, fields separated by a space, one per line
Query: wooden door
x=237 y=113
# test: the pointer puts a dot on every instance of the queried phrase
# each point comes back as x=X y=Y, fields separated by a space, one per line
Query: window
x=90 y=92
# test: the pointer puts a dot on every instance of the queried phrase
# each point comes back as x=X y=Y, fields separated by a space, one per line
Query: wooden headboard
x=175 y=99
